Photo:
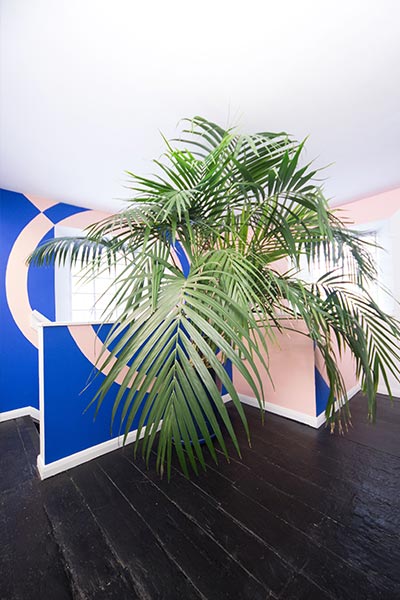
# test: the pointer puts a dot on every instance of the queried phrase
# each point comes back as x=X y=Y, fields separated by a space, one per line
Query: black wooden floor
x=305 y=515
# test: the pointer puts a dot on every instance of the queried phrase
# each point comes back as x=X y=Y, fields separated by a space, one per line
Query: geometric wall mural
x=26 y=221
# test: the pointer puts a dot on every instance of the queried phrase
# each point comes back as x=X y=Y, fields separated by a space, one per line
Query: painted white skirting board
x=282 y=411
x=78 y=458
x=352 y=392
x=26 y=411
x=294 y=415
x=58 y=466
x=395 y=388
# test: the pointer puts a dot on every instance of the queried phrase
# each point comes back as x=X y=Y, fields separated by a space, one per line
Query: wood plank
x=15 y=468
x=94 y=567
x=387 y=443
x=305 y=515
x=301 y=588
x=156 y=574
x=251 y=552
x=335 y=453
x=387 y=411
x=213 y=571
x=337 y=497
x=31 y=566
x=344 y=481
x=29 y=435
x=354 y=542
x=321 y=566
x=30 y=440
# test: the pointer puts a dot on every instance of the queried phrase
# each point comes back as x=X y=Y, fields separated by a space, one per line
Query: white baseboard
x=395 y=388
x=282 y=411
x=353 y=391
x=294 y=415
x=58 y=466
x=69 y=462
x=26 y=411
x=321 y=418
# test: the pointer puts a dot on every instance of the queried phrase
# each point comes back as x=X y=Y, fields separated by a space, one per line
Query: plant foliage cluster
x=247 y=211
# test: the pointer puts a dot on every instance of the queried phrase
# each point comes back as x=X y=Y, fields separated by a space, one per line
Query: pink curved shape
x=83 y=219
x=373 y=208
x=90 y=345
x=17 y=269
x=40 y=203
x=17 y=283
x=17 y=275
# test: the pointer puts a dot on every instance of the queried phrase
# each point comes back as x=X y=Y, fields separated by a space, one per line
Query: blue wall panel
x=41 y=286
x=18 y=356
x=61 y=211
x=321 y=392
x=68 y=428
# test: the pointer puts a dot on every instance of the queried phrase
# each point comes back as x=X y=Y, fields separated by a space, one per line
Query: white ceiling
x=86 y=86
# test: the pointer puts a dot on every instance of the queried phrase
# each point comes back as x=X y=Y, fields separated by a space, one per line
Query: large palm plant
x=244 y=210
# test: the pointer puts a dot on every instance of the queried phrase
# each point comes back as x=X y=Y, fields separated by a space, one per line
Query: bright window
x=377 y=235
x=79 y=298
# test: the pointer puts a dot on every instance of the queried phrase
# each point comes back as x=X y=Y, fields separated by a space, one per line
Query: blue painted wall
x=321 y=392
x=18 y=357
x=68 y=428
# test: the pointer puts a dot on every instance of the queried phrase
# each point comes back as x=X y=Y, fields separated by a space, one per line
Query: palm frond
x=240 y=207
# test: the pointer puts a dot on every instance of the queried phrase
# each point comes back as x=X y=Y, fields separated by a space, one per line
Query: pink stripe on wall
x=17 y=275
x=41 y=204
x=347 y=366
x=373 y=208
x=83 y=219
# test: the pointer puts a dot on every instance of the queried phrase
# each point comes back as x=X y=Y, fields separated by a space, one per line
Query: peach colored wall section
x=41 y=203
x=348 y=370
x=17 y=275
x=291 y=364
x=373 y=208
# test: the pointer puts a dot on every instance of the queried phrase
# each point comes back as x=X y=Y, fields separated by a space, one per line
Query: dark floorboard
x=304 y=515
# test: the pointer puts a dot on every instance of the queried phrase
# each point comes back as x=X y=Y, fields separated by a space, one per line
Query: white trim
x=70 y=323
x=321 y=418
x=282 y=411
x=395 y=389
x=289 y=413
x=37 y=319
x=26 y=411
x=83 y=456
x=41 y=387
